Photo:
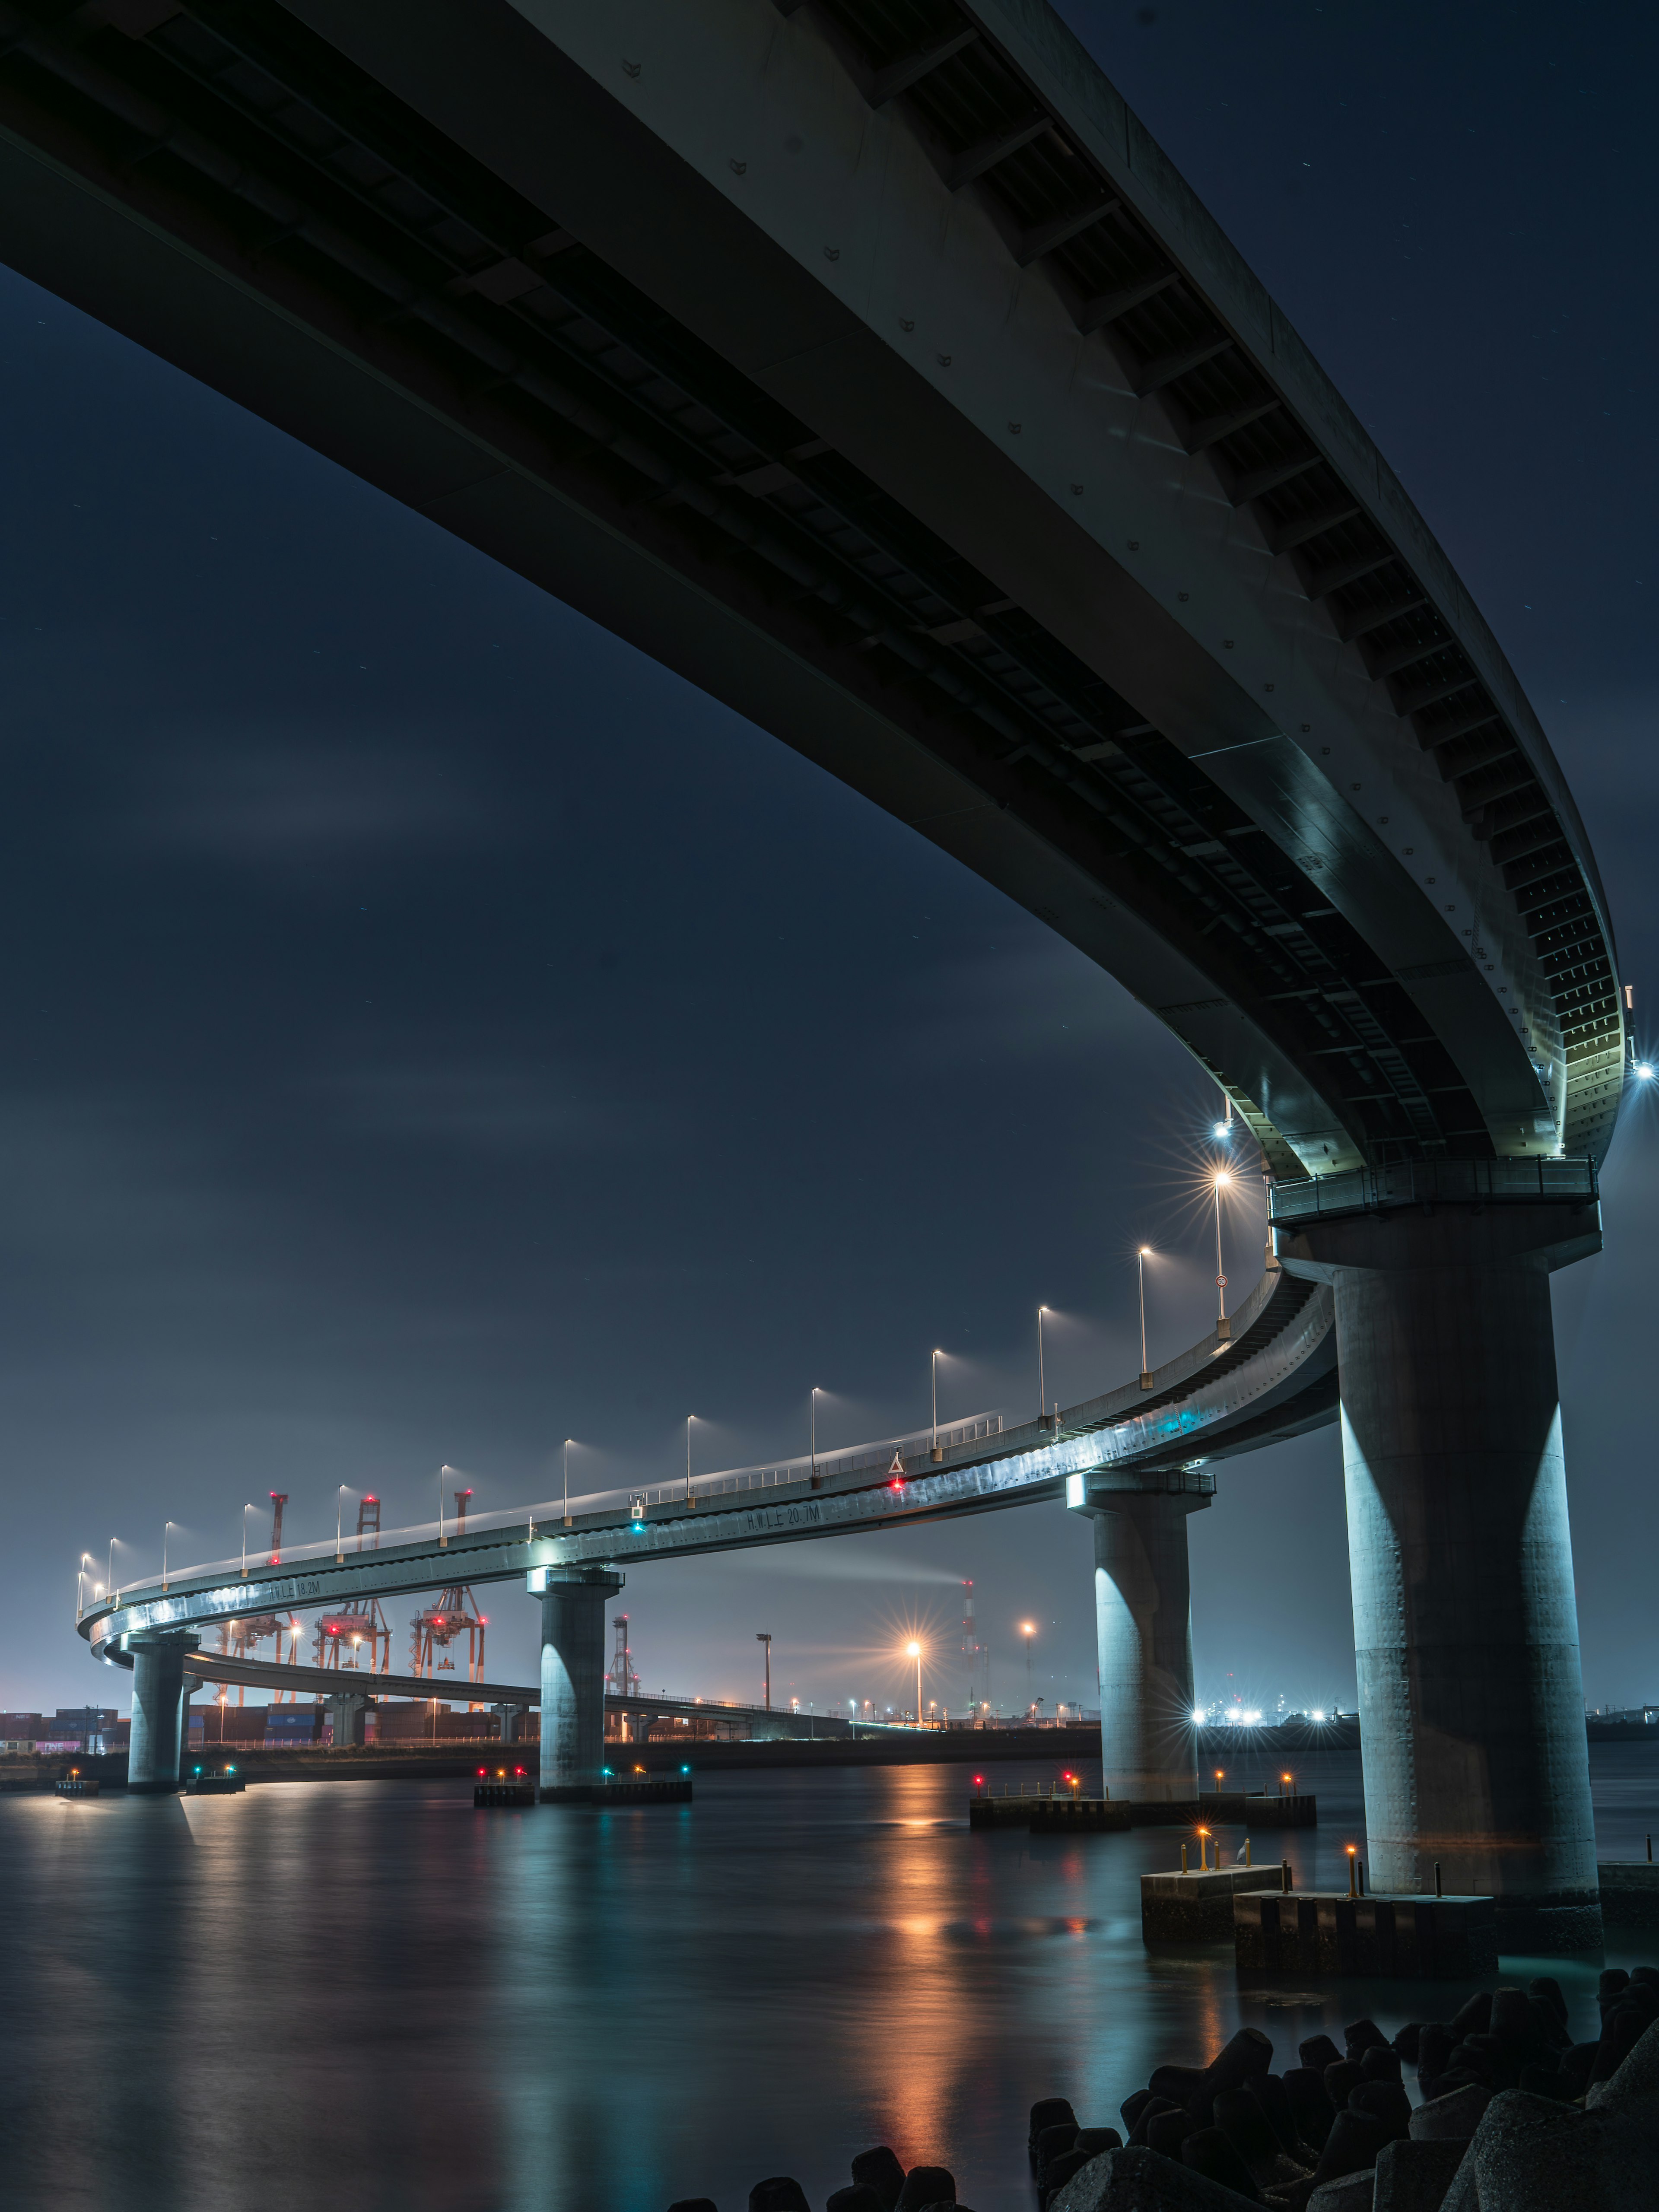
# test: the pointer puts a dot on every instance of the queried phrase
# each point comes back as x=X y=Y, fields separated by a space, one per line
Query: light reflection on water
x=369 y=1993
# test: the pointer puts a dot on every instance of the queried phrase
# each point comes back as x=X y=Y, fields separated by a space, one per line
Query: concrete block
x=1197 y=1908
x=1415 y=2177
x=1354 y=2192
x=1074 y=1816
x=1632 y=2091
x=1629 y=1893
x=1452 y=2118
x=1532 y=2155
x=1141 y=2181
x=1317 y=1932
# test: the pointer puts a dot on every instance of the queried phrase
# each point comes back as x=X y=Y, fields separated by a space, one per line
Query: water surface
x=368 y=1994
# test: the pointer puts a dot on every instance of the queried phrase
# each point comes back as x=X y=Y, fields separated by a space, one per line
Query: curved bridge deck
x=1273 y=1377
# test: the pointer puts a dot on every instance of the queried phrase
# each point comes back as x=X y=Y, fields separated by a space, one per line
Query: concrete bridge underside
x=866 y=361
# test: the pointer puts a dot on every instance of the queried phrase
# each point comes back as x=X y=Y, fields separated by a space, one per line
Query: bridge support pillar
x=573 y=1600
x=1466 y=1631
x=1143 y=1625
x=348 y=1710
x=159 y=1695
x=507 y=1719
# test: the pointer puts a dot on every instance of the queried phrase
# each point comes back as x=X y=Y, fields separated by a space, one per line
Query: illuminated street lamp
x=936 y=1453
x=913 y=1650
x=1042 y=1395
x=1223 y=1327
x=567 y=1442
x=816 y=1394
x=339 y=1525
x=1028 y=1630
x=689 y=1419
x=1141 y=1258
x=166 y=1530
x=1222 y=1130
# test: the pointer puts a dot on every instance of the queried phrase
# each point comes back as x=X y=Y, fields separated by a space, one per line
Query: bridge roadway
x=868 y=363
x=348 y=1692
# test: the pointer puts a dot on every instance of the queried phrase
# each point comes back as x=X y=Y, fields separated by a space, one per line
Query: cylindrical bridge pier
x=1472 y=1710
x=158 y=1712
x=572 y=1599
x=1143 y=1624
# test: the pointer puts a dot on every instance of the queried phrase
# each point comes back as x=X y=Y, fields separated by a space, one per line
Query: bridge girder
x=880 y=376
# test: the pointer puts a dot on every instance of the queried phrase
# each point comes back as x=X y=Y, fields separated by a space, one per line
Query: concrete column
x=348 y=1710
x=1466 y=1632
x=573 y=1678
x=506 y=1720
x=1143 y=1624
x=158 y=1713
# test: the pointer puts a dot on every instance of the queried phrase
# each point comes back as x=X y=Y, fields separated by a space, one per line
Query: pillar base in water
x=158 y=1713
x=1143 y=1624
x=1466 y=1632
x=573 y=1600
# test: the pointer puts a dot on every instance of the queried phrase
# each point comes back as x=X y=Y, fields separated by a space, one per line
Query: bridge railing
x=855 y=1459
x=1439 y=1182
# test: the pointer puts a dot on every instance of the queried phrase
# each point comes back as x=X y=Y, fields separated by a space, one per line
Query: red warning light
x=895 y=1484
x=517 y=1770
x=481 y=1772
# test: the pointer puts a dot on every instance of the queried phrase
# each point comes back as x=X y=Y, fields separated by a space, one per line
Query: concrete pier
x=158 y=1712
x=1143 y=1625
x=1465 y=1626
x=573 y=1678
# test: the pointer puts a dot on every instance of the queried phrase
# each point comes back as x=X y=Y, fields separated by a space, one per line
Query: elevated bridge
x=868 y=362
x=348 y=1693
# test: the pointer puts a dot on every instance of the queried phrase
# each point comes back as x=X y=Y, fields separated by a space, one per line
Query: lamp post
x=689 y=1419
x=246 y=1509
x=1042 y=1388
x=913 y=1650
x=1141 y=1258
x=339 y=1526
x=109 y=1571
x=567 y=1442
x=1028 y=1630
x=936 y=1455
x=1223 y=1327
x=764 y=1636
x=166 y=1529
x=815 y=1432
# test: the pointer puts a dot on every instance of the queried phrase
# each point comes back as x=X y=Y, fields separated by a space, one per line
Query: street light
x=689 y=1419
x=764 y=1636
x=1141 y=1258
x=246 y=1509
x=1222 y=1131
x=913 y=1650
x=339 y=1525
x=1028 y=1630
x=165 y=1527
x=1223 y=1326
x=816 y=1394
x=567 y=1442
x=936 y=1455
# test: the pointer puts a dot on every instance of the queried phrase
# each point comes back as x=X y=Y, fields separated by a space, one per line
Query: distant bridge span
x=866 y=362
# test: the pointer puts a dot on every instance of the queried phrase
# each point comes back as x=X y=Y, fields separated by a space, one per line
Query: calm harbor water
x=366 y=1995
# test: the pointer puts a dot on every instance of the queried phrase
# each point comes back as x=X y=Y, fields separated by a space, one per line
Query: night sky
x=432 y=1031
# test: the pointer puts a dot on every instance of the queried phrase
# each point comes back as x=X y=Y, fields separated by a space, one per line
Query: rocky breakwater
x=1515 y=2116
